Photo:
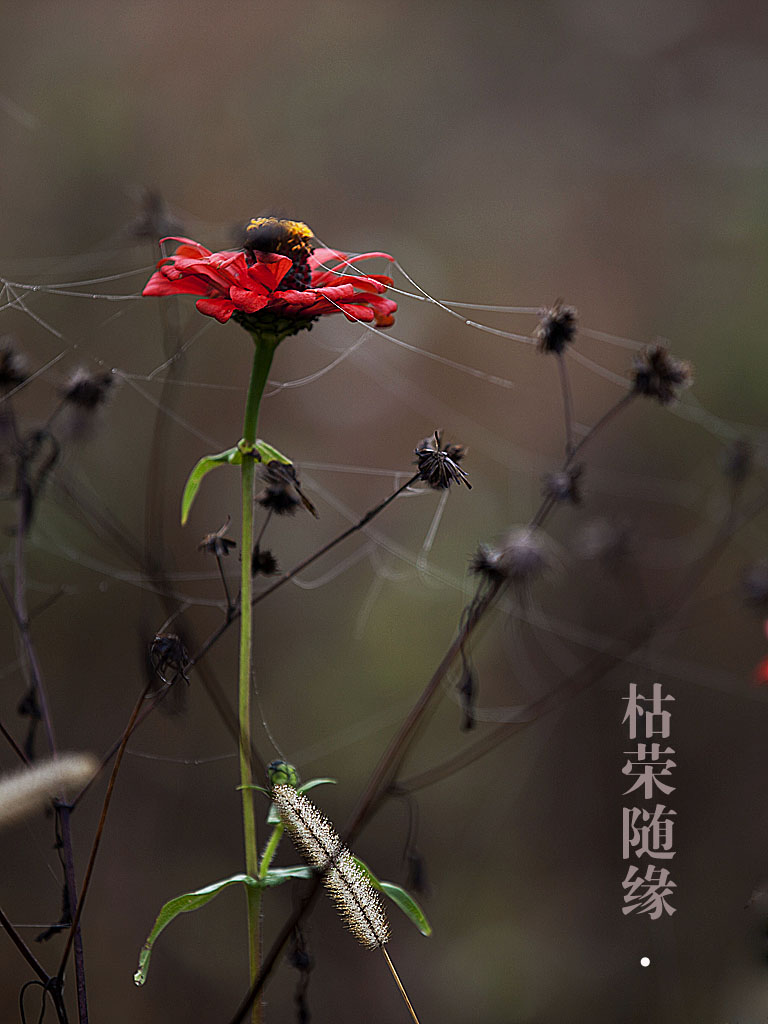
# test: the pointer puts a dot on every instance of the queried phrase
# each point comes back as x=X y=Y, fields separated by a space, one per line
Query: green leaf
x=260 y=450
x=270 y=454
x=232 y=456
x=273 y=818
x=399 y=897
x=252 y=785
x=180 y=905
x=408 y=905
x=306 y=786
x=276 y=876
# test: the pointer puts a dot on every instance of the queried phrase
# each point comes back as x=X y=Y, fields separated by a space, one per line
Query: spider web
x=188 y=364
x=343 y=649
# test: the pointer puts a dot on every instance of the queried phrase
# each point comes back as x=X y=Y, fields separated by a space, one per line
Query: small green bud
x=280 y=773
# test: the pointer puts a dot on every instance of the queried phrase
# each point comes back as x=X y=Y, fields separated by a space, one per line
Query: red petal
x=161 y=284
x=190 y=247
x=270 y=268
x=761 y=673
x=220 y=309
x=357 y=313
x=292 y=297
x=323 y=256
x=248 y=301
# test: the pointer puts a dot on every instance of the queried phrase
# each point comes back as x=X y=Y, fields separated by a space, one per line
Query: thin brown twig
x=13 y=744
x=18 y=604
x=100 y=830
x=24 y=949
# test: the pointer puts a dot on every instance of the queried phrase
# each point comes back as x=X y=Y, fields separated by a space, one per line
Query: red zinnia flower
x=250 y=285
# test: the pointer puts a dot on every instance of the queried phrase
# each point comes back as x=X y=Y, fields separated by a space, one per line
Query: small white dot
x=645 y=961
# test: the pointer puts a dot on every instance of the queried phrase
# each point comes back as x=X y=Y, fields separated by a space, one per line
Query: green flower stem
x=262 y=360
x=270 y=849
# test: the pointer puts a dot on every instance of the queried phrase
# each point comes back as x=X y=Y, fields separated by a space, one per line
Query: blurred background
x=505 y=153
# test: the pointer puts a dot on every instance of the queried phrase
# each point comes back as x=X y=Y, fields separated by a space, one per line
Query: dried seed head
x=216 y=543
x=282 y=494
x=87 y=390
x=564 y=485
x=485 y=562
x=357 y=901
x=556 y=327
x=523 y=555
x=263 y=562
x=439 y=466
x=656 y=374
x=167 y=651
x=754 y=584
x=520 y=557
x=13 y=364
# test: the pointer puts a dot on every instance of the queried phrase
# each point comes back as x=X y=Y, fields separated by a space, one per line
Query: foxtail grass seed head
x=356 y=899
x=556 y=328
x=29 y=790
x=216 y=543
x=13 y=364
x=656 y=374
x=438 y=465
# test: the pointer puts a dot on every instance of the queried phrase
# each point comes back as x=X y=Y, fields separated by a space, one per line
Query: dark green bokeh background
x=611 y=153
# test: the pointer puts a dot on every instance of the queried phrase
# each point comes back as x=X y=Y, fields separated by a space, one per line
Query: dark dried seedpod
x=13 y=364
x=485 y=562
x=520 y=557
x=263 y=562
x=556 y=327
x=564 y=485
x=438 y=465
x=656 y=374
x=282 y=494
x=87 y=390
x=216 y=543
x=167 y=652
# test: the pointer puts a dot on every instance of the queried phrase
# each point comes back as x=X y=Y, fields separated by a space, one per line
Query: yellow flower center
x=285 y=237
